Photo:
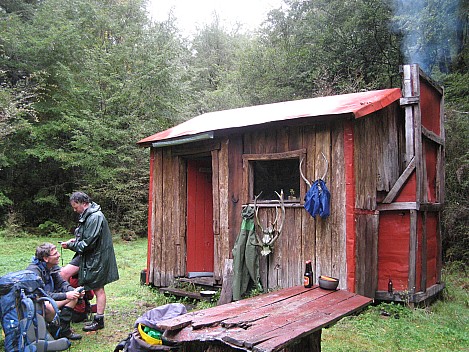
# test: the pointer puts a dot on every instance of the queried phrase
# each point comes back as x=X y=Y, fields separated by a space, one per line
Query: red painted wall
x=430 y=150
x=407 y=194
x=430 y=107
x=393 y=249
x=432 y=248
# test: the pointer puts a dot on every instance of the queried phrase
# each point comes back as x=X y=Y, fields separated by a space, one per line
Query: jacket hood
x=93 y=208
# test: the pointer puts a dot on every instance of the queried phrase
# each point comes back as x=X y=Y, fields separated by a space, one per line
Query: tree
x=109 y=76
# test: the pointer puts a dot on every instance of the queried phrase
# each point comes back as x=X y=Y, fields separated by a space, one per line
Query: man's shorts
x=75 y=260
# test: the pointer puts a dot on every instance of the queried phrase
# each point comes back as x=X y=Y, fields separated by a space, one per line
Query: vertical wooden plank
x=157 y=223
x=349 y=160
x=181 y=221
x=413 y=245
x=216 y=193
x=407 y=91
x=297 y=260
x=276 y=261
x=367 y=254
x=441 y=157
x=283 y=135
x=360 y=254
x=374 y=255
x=323 y=227
x=235 y=190
x=222 y=244
x=172 y=219
x=166 y=194
x=337 y=218
x=308 y=226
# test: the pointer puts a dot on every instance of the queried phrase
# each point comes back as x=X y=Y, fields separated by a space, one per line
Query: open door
x=200 y=240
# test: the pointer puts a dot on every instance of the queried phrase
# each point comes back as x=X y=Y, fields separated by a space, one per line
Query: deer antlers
x=271 y=233
x=323 y=176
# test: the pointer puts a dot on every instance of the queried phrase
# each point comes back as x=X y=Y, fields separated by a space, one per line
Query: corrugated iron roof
x=358 y=104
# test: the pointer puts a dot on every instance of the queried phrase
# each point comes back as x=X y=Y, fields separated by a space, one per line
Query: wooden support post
x=226 y=295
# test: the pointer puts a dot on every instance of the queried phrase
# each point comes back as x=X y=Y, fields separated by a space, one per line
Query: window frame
x=248 y=177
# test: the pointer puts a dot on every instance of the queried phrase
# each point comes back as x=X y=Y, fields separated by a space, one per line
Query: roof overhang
x=203 y=126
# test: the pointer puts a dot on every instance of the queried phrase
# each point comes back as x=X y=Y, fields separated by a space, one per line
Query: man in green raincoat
x=95 y=256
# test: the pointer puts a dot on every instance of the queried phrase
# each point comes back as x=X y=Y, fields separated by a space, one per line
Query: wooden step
x=182 y=293
x=206 y=282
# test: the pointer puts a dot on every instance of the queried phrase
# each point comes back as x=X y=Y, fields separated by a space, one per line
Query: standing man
x=97 y=265
x=45 y=265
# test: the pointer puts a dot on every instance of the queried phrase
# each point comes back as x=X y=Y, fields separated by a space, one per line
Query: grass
x=443 y=326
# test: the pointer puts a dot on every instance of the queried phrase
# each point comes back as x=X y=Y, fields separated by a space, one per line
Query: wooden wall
x=322 y=241
x=304 y=238
x=379 y=153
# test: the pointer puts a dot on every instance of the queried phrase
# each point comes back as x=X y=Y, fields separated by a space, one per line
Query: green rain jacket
x=98 y=265
x=245 y=257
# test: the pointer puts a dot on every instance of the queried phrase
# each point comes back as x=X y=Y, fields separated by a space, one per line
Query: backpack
x=138 y=341
x=21 y=293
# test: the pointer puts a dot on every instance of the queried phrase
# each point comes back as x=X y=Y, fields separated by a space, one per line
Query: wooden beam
x=432 y=136
x=405 y=297
x=409 y=101
x=399 y=206
x=400 y=182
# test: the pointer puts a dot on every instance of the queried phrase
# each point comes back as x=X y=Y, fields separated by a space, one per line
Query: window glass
x=270 y=176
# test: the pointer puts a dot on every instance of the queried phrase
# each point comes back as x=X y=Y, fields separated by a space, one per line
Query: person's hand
x=73 y=294
x=65 y=244
x=81 y=291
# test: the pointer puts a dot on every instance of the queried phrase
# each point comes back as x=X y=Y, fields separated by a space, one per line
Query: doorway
x=200 y=237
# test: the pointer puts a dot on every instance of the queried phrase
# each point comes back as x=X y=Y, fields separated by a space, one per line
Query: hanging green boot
x=96 y=324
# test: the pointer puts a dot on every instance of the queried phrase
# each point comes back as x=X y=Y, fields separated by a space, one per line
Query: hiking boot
x=64 y=329
x=71 y=335
x=96 y=324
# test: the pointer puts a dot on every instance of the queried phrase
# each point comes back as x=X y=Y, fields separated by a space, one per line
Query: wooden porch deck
x=289 y=320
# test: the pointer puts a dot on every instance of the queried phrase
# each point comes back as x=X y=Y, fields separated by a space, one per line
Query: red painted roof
x=358 y=104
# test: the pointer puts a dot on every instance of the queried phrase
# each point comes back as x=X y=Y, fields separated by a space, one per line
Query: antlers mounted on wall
x=323 y=176
x=272 y=232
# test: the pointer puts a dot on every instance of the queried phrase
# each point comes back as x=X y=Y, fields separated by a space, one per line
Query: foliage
x=109 y=77
x=52 y=229
x=456 y=212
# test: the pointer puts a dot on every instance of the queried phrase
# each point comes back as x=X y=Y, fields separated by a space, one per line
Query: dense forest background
x=83 y=80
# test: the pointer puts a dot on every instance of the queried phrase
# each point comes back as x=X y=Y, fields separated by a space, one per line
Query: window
x=266 y=174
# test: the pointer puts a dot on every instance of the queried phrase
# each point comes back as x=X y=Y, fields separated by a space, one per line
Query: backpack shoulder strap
x=29 y=317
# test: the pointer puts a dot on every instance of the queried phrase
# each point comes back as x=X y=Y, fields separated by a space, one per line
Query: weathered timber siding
x=379 y=154
x=303 y=238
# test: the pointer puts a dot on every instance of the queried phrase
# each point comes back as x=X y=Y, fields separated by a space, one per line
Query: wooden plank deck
x=269 y=322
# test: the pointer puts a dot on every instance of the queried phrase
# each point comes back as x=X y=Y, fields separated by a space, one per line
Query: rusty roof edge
x=185 y=132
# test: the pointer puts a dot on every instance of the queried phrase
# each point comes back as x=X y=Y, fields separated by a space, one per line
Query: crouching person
x=45 y=265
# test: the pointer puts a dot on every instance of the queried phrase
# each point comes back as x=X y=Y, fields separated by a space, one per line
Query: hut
x=381 y=154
